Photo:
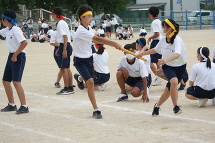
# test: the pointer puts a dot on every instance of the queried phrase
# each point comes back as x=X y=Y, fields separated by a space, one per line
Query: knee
x=135 y=93
x=174 y=82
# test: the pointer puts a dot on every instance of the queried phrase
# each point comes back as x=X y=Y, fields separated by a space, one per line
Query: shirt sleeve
x=62 y=29
x=158 y=47
x=155 y=27
x=53 y=37
x=3 y=32
x=177 y=44
x=193 y=74
x=19 y=35
x=119 y=65
x=143 y=69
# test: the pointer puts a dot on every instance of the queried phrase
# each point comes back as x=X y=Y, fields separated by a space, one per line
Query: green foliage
x=69 y=6
x=209 y=7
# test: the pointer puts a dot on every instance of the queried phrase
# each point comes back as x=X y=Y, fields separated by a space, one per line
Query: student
x=155 y=37
x=141 y=45
x=49 y=33
x=101 y=32
x=108 y=27
x=83 y=58
x=133 y=72
x=202 y=74
x=131 y=30
x=33 y=37
x=64 y=51
x=114 y=23
x=101 y=70
x=75 y=23
x=119 y=32
x=143 y=32
x=173 y=63
x=126 y=34
x=14 y=68
x=53 y=42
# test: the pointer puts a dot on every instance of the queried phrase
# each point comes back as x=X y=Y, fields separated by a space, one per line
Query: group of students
x=132 y=72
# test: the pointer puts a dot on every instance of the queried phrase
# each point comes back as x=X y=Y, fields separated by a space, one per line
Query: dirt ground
x=67 y=118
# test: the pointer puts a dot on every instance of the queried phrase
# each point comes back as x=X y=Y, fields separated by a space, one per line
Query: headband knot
x=172 y=26
x=12 y=20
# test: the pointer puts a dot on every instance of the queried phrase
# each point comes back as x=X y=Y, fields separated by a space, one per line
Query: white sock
x=12 y=104
x=24 y=106
x=79 y=79
x=96 y=110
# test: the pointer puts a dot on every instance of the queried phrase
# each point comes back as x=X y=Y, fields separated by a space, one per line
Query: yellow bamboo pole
x=129 y=52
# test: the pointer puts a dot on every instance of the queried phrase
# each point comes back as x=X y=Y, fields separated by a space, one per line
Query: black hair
x=128 y=46
x=176 y=28
x=142 y=40
x=134 y=43
x=154 y=11
x=50 y=27
x=101 y=49
x=9 y=13
x=206 y=53
x=82 y=9
x=57 y=11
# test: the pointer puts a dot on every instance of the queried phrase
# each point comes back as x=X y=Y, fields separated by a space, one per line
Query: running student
x=173 y=63
x=83 y=57
x=64 y=51
x=53 y=42
x=133 y=72
x=202 y=74
x=14 y=68
x=155 y=37
x=101 y=71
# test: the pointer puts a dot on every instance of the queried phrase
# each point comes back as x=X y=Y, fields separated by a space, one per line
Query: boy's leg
x=9 y=91
x=120 y=76
x=90 y=91
x=65 y=76
x=164 y=97
x=70 y=77
x=59 y=76
x=20 y=92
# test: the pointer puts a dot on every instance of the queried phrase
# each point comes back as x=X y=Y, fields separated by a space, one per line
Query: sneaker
x=57 y=85
x=124 y=97
x=213 y=101
x=156 y=110
x=9 y=108
x=63 y=92
x=182 y=86
x=80 y=84
x=22 y=110
x=177 y=110
x=97 y=114
x=102 y=86
x=202 y=102
x=71 y=90
x=157 y=81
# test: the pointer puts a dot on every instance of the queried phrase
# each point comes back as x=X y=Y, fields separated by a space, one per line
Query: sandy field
x=67 y=118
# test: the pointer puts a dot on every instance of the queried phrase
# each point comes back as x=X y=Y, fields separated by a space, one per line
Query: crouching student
x=133 y=72
x=14 y=68
x=202 y=74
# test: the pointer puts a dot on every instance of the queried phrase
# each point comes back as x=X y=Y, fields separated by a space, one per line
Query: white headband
x=205 y=59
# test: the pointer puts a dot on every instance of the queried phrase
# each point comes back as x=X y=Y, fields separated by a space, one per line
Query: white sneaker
x=213 y=101
x=102 y=86
x=157 y=81
x=202 y=102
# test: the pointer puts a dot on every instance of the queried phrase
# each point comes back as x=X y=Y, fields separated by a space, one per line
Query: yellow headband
x=86 y=13
x=172 y=26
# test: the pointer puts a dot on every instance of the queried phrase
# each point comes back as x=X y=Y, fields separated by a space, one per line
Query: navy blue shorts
x=213 y=60
x=108 y=29
x=115 y=27
x=143 y=34
x=64 y=62
x=14 y=70
x=93 y=49
x=198 y=92
x=171 y=72
x=100 y=78
x=156 y=56
x=185 y=76
x=84 y=66
x=135 y=82
x=55 y=57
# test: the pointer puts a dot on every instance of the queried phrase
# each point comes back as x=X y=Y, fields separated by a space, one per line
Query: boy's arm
x=100 y=40
x=65 y=39
x=19 y=50
x=156 y=34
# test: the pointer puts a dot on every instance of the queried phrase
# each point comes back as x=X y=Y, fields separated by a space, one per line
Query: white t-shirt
x=44 y=25
x=82 y=42
x=156 y=27
x=14 y=37
x=137 y=69
x=203 y=76
x=119 y=30
x=41 y=36
x=143 y=31
x=147 y=62
x=114 y=21
x=62 y=29
x=108 y=23
x=31 y=36
x=72 y=33
x=101 y=31
x=100 y=62
x=168 y=49
x=50 y=31
x=53 y=38
x=103 y=25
